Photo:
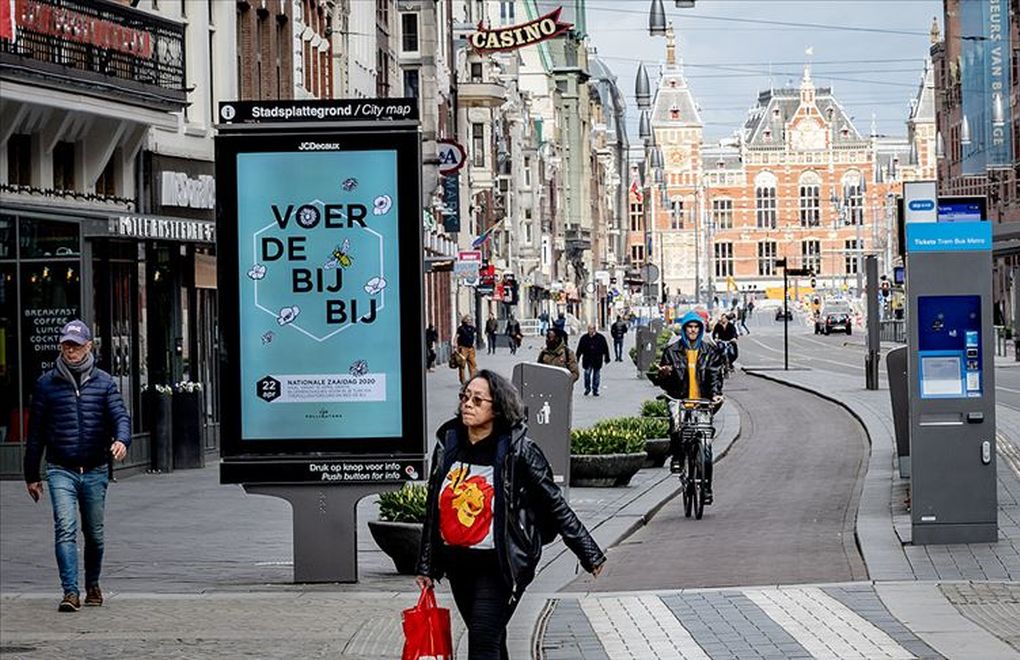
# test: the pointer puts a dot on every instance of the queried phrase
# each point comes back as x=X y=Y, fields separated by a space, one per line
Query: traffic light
x=814 y=282
x=885 y=288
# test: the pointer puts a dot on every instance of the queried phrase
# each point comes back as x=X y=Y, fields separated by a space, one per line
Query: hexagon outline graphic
x=294 y=324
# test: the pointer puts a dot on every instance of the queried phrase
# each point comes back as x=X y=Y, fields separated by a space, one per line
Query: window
x=724 y=259
x=63 y=166
x=506 y=12
x=765 y=200
x=478 y=145
x=810 y=200
x=676 y=220
x=722 y=213
x=382 y=81
x=636 y=216
x=19 y=160
x=766 y=257
x=527 y=233
x=852 y=256
x=637 y=254
x=853 y=199
x=106 y=184
x=476 y=72
x=411 y=83
x=409 y=32
x=527 y=172
x=811 y=256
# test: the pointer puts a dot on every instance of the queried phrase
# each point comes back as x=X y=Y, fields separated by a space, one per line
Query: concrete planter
x=657 y=450
x=400 y=541
x=604 y=471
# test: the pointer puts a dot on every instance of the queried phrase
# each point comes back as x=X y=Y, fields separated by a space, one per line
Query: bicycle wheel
x=698 y=478
x=688 y=492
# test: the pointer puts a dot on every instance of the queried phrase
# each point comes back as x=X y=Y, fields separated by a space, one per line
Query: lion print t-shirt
x=466 y=499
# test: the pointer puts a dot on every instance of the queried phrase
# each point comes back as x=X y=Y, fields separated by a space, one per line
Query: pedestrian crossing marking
x=824 y=626
x=639 y=627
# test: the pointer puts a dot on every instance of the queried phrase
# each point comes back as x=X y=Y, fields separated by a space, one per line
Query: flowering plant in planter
x=404 y=505
x=188 y=386
x=159 y=389
x=399 y=528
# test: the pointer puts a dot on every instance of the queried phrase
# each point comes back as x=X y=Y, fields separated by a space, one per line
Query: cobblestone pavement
x=994 y=607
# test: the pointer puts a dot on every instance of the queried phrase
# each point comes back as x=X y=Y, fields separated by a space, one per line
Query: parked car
x=779 y=313
x=835 y=316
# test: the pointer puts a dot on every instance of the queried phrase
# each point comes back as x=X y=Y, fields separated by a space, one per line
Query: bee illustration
x=267 y=338
x=339 y=256
x=349 y=184
x=359 y=368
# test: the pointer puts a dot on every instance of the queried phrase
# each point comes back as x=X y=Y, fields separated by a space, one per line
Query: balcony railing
x=98 y=45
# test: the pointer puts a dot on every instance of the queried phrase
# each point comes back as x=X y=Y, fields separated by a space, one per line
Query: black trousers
x=483 y=600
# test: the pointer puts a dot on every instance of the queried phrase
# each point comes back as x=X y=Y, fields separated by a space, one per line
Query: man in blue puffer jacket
x=79 y=419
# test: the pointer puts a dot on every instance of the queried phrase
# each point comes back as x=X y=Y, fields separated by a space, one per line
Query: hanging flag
x=636 y=190
x=8 y=22
x=484 y=237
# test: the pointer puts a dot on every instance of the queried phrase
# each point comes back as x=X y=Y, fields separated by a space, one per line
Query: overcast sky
x=872 y=53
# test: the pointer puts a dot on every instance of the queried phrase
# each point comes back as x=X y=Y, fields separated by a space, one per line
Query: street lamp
x=642 y=88
x=657 y=19
x=645 y=126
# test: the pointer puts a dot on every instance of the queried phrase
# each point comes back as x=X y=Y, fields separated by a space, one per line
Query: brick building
x=798 y=180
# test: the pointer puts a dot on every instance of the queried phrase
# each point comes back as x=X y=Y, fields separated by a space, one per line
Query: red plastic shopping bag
x=427 y=634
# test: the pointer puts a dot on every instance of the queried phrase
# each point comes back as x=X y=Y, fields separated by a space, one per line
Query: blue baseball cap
x=76 y=332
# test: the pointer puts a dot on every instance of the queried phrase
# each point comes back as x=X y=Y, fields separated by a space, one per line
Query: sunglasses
x=475 y=399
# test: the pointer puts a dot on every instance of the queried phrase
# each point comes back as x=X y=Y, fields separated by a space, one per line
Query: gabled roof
x=923 y=107
x=776 y=107
x=673 y=103
x=721 y=157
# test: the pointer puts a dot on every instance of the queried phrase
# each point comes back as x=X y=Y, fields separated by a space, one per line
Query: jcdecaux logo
x=922 y=205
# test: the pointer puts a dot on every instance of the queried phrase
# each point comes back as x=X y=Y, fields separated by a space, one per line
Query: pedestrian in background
x=465 y=341
x=79 y=421
x=618 y=330
x=513 y=334
x=742 y=319
x=543 y=322
x=491 y=327
x=558 y=354
x=431 y=340
x=560 y=324
x=593 y=352
x=485 y=543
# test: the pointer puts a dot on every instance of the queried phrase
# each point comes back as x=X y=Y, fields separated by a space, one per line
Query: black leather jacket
x=707 y=369
x=529 y=509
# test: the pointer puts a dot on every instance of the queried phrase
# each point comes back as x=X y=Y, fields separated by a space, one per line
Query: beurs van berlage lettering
x=326 y=278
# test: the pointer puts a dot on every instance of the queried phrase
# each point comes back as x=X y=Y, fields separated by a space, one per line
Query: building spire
x=936 y=35
x=670 y=45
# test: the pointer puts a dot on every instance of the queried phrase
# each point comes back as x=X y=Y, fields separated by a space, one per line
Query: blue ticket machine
x=951 y=383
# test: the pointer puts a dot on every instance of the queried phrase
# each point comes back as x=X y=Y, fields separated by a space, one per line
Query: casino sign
x=512 y=37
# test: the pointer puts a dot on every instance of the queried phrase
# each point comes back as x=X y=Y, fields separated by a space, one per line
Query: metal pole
x=786 y=324
x=697 y=262
x=874 y=339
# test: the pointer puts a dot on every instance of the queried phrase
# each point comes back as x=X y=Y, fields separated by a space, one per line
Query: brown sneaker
x=69 y=604
x=93 y=596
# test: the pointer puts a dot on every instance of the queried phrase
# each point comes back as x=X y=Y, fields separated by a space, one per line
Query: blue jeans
x=69 y=493
x=592 y=378
x=618 y=347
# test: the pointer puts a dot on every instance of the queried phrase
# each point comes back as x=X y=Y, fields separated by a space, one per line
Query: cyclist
x=690 y=368
x=725 y=335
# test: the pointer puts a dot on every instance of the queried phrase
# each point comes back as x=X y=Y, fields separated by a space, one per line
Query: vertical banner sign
x=986 y=82
x=321 y=242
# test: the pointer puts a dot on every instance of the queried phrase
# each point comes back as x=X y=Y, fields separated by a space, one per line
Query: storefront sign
x=40 y=337
x=451 y=156
x=336 y=110
x=512 y=37
x=320 y=280
x=162 y=229
x=451 y=203
x=46 y=19
x=179 y=189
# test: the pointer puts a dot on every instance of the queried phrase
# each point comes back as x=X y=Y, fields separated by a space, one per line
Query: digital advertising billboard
x=320 y=268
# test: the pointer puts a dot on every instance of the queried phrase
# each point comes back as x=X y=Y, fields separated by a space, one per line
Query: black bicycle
x=690 y=421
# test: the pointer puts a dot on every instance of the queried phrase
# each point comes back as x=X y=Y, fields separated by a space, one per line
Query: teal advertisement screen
x=319 y=297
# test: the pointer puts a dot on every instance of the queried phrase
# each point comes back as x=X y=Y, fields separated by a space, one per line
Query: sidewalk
x=197 y=569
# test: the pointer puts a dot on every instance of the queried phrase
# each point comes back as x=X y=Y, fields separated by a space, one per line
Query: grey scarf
x=76 y=374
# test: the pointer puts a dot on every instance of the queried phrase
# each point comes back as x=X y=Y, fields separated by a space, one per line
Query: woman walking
x=492 y=504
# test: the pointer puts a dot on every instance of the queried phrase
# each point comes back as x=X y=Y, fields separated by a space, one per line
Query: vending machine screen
x=949 y=346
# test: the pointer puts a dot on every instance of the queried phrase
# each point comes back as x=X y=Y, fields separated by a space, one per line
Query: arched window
x=765 y=200
x=810 y=199
x=853 y=198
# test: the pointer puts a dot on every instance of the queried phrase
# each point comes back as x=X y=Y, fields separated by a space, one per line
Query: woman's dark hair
x=507 y=408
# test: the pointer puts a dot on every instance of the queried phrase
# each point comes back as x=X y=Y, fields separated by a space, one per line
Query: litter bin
x=896 y=368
